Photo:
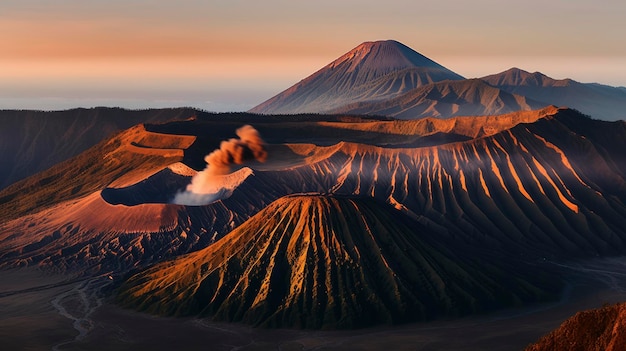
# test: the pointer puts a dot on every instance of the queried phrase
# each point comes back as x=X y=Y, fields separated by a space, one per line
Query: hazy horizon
x=232 y=56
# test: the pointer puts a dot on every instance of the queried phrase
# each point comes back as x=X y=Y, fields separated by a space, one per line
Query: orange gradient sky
x=232 y=55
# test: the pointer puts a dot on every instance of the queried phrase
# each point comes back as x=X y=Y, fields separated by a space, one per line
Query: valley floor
x=43 y=312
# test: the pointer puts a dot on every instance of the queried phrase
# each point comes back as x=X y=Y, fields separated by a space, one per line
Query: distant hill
x=32 y=141
x=372 y=71
x=471 y=97
x=597 y=100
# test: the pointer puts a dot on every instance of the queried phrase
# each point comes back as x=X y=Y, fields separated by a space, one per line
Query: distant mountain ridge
x=32 y=141
x=371 y=71
x=517 y=77
x=597 y=100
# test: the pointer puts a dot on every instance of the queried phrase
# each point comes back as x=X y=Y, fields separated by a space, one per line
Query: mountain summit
x=372 y=71
x=383 y=57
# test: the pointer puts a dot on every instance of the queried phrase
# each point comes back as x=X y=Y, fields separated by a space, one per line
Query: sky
x=231 y=55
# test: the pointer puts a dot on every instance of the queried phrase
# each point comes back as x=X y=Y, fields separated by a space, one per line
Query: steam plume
x=215 y=181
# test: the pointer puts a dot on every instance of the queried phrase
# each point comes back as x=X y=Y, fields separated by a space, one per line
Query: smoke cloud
x=216 y=182
x=248 y=147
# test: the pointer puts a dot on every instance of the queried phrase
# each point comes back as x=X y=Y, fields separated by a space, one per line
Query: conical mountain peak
x=384 y=56
x=372 y=71
x=315 y=261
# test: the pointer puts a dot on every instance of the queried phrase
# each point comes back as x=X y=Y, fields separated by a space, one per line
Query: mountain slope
x=602 y=329
x=599 y=101
x=32 y=141
x=471 y=97
x=123 y=159
x=371 y=71
x=324 y=262
x=552 y=188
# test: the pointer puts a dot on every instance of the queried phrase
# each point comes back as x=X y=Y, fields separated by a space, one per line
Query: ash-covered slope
x=597 y=100
x=554 y=188
x=372 y=71
x=602 y=329
x=470 y=97
x=32 y=141
x=324 y=262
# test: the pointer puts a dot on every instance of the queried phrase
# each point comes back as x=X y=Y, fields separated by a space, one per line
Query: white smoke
x=216 y=182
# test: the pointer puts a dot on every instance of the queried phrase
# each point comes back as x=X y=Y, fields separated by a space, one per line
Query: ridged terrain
x=470 y=97
x=32 y=141
x=602 y=329
x=124 y=159
x=324 y=262
x=599 y=101
x=63 y=223
x=371 y=71
x=552 y=188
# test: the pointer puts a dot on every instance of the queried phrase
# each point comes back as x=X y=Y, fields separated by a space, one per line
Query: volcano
x=480 y=203
x=319 y=261
x=372 y=71
x=547 y=183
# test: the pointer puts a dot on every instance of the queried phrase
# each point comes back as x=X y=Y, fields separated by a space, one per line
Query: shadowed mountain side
x=600 y=101
x=371 y=71
x=158 y=188
x=325 y=262
x=32 y=141
x=602 y=329
x=471 y=97
x=124 y=159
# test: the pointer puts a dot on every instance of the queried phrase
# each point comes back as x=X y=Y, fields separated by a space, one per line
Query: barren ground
x=42 y=312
